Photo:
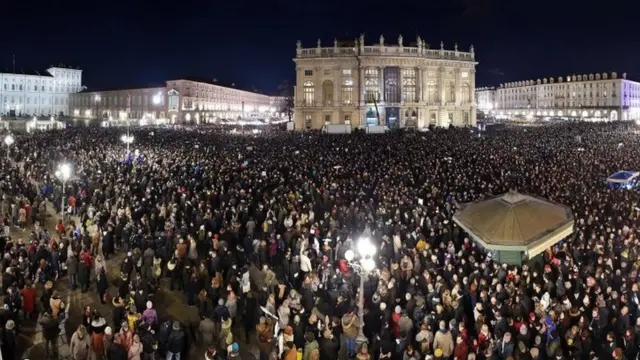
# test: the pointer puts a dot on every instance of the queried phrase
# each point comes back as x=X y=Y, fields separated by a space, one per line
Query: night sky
x=130 y=43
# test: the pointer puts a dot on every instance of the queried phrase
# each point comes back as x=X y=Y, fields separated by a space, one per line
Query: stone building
x=393 y=85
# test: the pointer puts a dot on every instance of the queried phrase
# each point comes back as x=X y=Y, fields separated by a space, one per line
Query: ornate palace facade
x=384 y=85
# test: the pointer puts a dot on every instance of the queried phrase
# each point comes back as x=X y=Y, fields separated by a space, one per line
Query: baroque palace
x=392 y=85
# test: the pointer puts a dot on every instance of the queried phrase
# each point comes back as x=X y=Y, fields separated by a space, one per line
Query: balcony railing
x=387 y=51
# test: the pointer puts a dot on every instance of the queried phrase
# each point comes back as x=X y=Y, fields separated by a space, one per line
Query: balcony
x=387 y=51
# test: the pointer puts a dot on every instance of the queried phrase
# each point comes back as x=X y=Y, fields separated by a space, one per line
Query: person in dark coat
x=9 y=341
x=177 y=341
x=116 y=350
x=102 y=285
x=83 y=276
x=50 y=332
x=118 y=312
x=329 y=346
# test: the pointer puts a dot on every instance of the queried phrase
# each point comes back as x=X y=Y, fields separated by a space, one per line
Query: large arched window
x=347 y=92
x=465 y=96
x=309 y=93
x=327 y=92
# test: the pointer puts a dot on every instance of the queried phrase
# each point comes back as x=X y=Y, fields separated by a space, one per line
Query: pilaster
x=441 y=74
x=337 y=86
x=458 y=77
x=317 y=98
x=381 y=84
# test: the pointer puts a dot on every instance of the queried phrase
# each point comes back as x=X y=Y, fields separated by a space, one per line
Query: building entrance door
x=393 y=117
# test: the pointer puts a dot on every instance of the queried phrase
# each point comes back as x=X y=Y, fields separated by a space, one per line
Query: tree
x=286 y=92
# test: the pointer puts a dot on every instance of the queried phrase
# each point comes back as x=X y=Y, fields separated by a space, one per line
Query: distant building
x=34 y=93
x=486 y=98
x=392 y=85
x=586 y=97
x=182 y=101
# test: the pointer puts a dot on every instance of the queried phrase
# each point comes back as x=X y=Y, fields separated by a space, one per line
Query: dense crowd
x=255 y=230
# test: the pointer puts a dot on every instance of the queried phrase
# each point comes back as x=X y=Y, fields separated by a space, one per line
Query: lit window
x=347 y=92
x=372 y=85
x=409 y=85
x=308 y=93
x=346 y=72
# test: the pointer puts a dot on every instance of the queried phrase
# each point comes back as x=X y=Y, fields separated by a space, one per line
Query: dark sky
x=122 y=43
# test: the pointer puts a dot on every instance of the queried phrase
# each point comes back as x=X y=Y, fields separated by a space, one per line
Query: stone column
x=441 y=74
x=361 y=98
x=381 y=84
x=337 y=86
x=472 y=86
x=418 y=85
x=299 y=86
x=319 y=95
x=458 y=76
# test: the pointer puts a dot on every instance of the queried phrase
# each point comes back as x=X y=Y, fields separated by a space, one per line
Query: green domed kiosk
x=515 y=227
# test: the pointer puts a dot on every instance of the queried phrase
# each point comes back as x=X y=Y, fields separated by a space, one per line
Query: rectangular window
x=308 y=121
x=327 y=72
x=346 y=72
x=308 y=73
x=409 y=85
x=327 y=119
x=347 y=119
x=347 y=92
x=391 y=87
x=13 y=86
x=372 y=85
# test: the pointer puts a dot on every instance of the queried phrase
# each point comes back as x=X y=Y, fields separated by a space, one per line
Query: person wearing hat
x=107 y=339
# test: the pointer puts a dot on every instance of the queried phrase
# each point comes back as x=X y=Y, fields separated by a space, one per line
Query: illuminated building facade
x=586 y=97
x=197 y=101
x=391 y=85
x=126 y=104
x=36 y=93
x=179 y=102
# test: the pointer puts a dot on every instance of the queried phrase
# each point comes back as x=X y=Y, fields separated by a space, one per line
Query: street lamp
x=8 y=140
x=63 y=174
x=363 y=266
x=127 y=139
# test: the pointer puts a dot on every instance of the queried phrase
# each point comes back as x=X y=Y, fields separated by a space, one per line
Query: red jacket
x=28 y=299
x=86 y=258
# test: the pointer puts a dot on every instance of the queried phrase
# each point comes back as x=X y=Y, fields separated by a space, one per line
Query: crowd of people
x=255 y=231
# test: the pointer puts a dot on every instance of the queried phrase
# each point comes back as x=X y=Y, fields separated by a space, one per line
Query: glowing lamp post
x=127 y=139
x=8 y=140
x=63 y=174
x=363 y=266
